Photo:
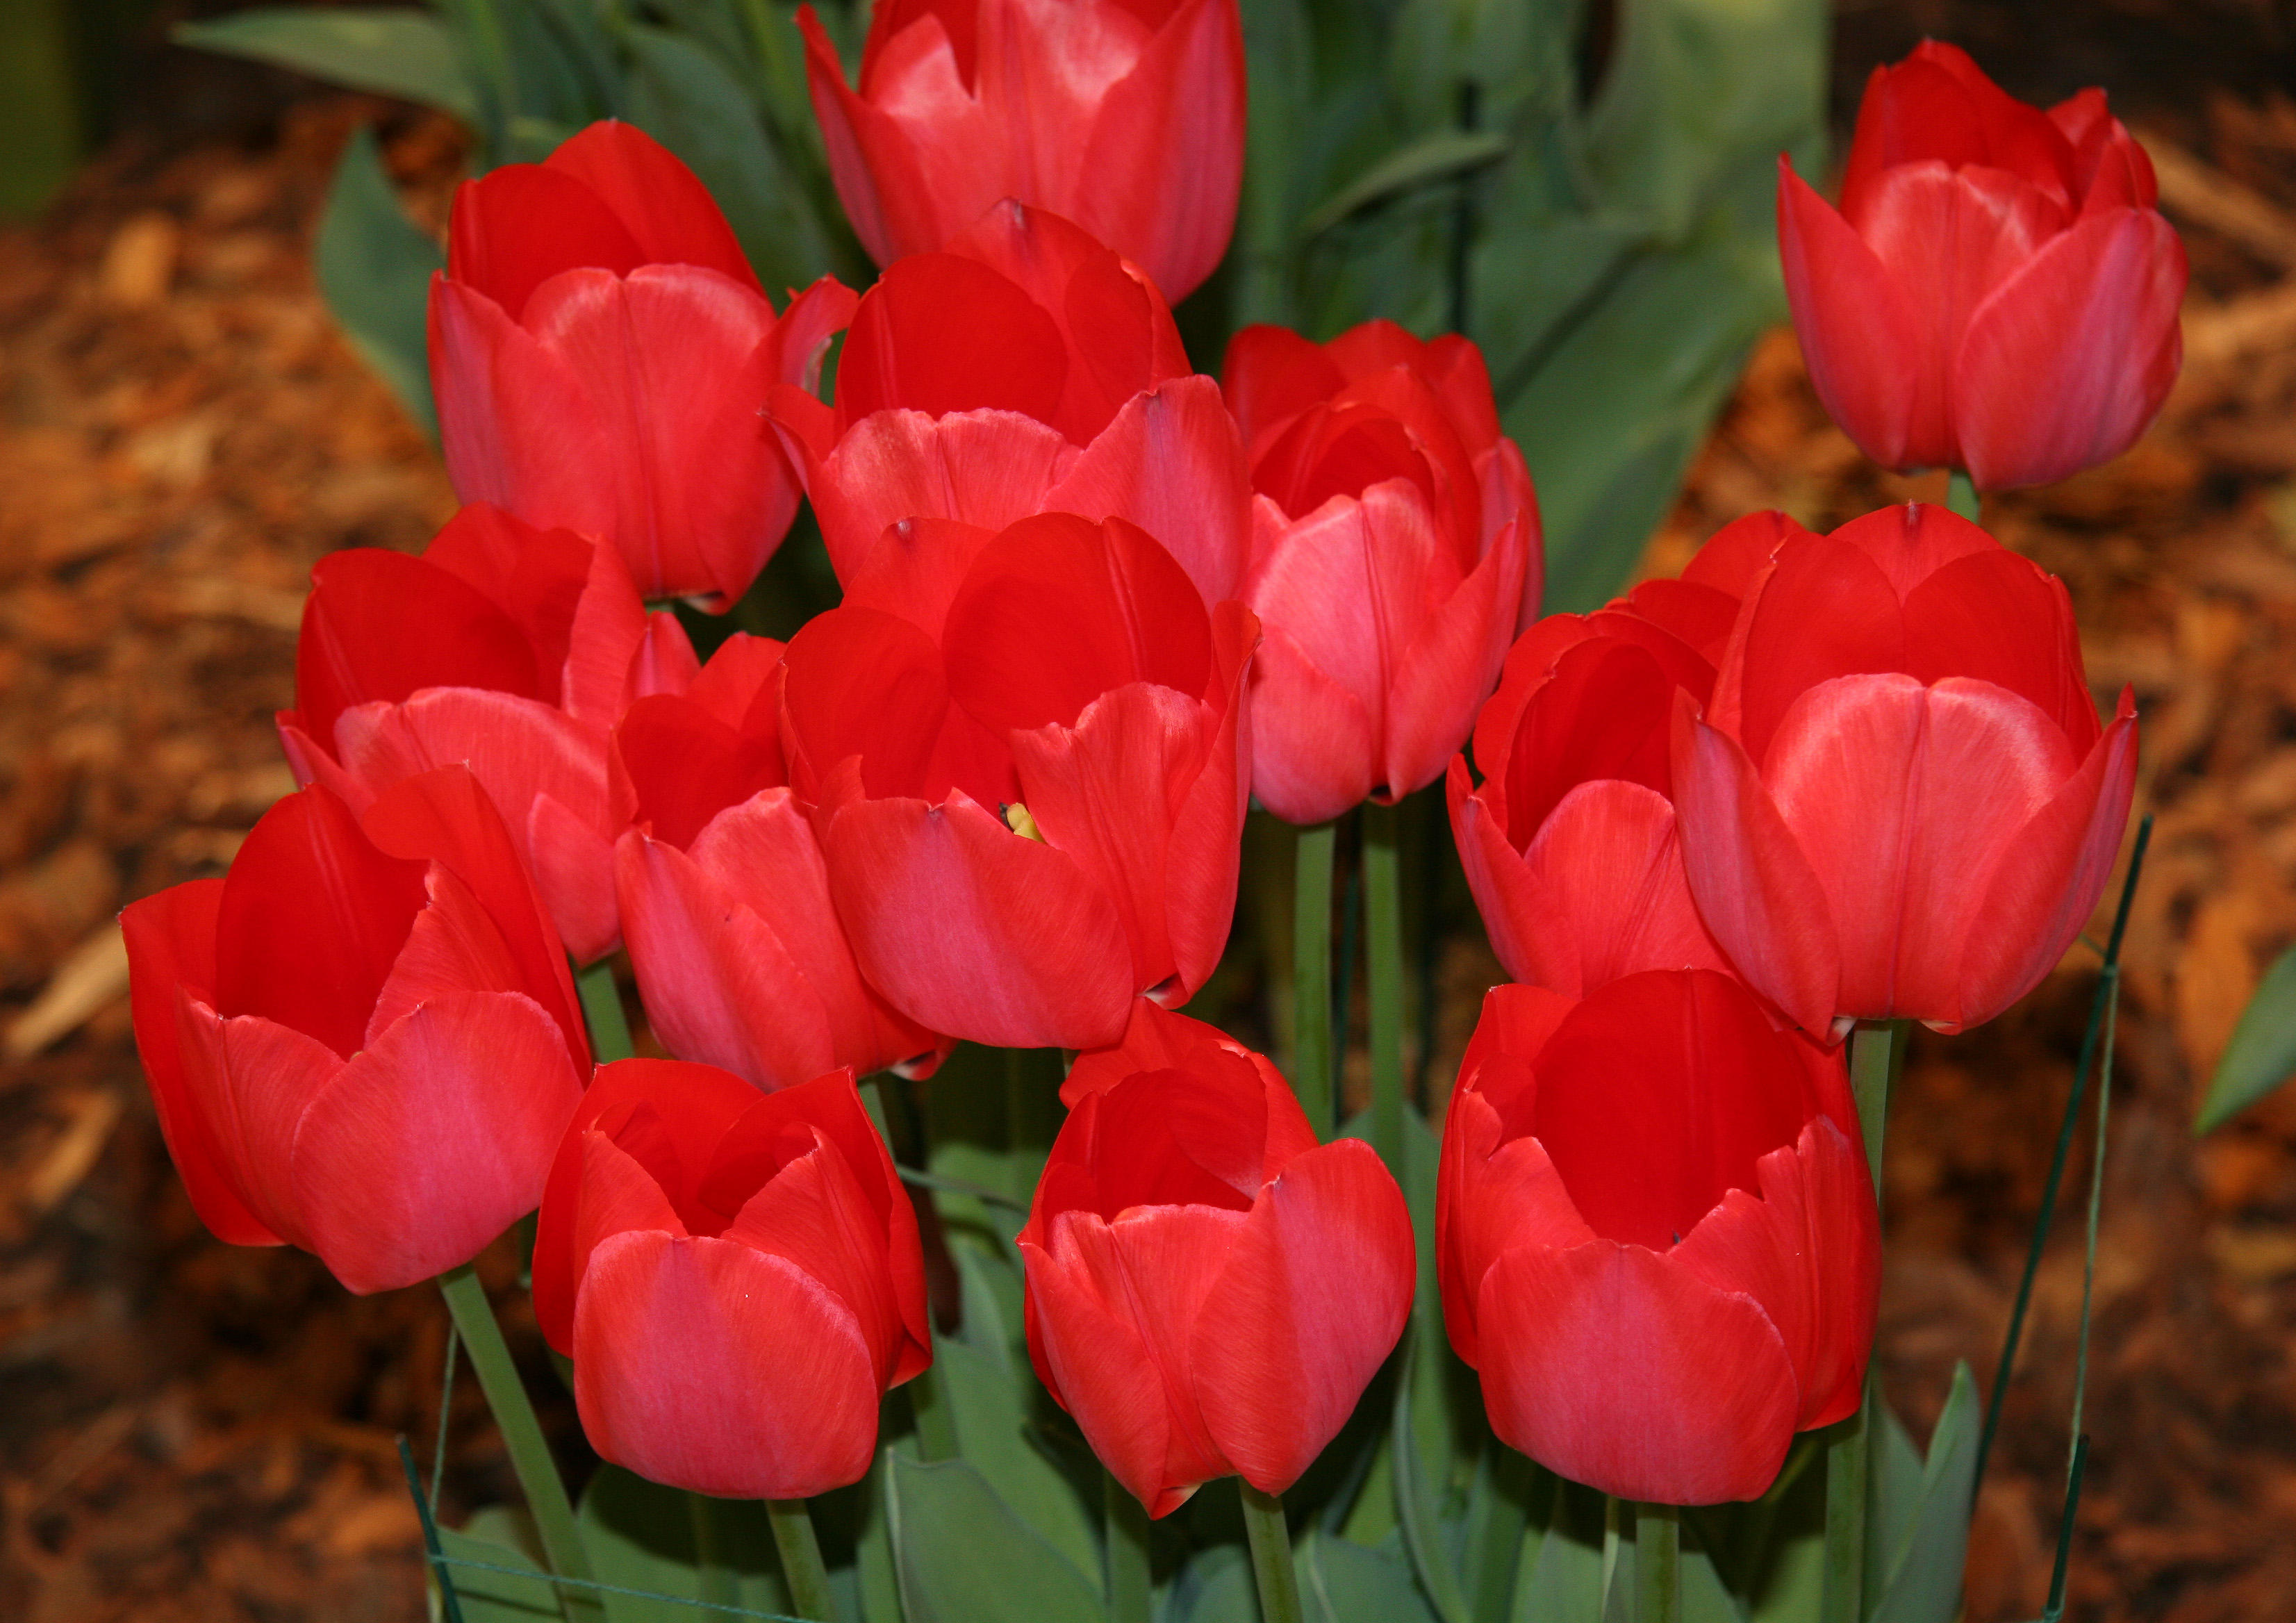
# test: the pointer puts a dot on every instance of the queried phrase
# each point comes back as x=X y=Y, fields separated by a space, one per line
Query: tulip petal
x=661 y=202
x=1093 y=1359
x=1494 y=1197
x=1449 y=666
x=1863 y=340
x=1314 y=749
x=987 y=468
x=1612 y=1366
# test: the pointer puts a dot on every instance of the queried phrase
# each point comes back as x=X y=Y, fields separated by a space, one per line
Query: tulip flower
x=599 y=348
x=1021 y=369
x=736 y=1274
x=1656 y=1235
x=725 y=898
x=1997 y=292
x=363 y=1040
x=1126 y=119
x=1395 y=552
x=1209 y=1290
x=509 y=649
x=1026 y=756
x=1900 y=803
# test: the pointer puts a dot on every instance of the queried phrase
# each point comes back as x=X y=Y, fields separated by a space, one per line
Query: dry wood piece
x=95 y=974
x=2207 y=196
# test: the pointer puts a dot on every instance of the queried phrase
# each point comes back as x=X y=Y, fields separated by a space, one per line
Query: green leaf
x=641 y=1536
x=1444 y=156
x=1216 y=1587
x=373 y=268
x=2262 y=1053
x=495 y=1597
x=1926 y=1556
x=962 y=1556
x=1560 y=1578
x=1345 y=1583
x=992 y=1434
x=1416 y=1506
x=392 y=50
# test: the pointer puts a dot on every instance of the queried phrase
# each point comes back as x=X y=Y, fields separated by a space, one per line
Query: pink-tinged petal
x=1156 y=1038
x=706 y=1365
x=2047 y=878
x=1493 y=1198
x=1610 y=1366
x=987 y=468
x=1093 y=1359
x=1316 y=1290
x=969 y=929
x=1599 y=893
x=1810 y=1252
x=1171 y=462
x=1863 y=342
x=574 y=871
x=614 y=1193
x=611 y=629
x=861 y=142
x=1910 y=542
x=2069 y=359
x=434 y=1140
x=454 y=947
x=661 y=202
x=1448 y=668
x=1312 y=582
x=252 y=1081
x=1756 y=892
x=1313 y=749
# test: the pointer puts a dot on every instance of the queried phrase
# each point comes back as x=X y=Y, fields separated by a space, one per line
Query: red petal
x=1604 y=714
x=1825 y=609
x=686 y=765
x=2003 y=619
x=1094 y=1359
x=1493 y=1194
x=1449 y=664
x=988 y=468
x=520 y=225
x=1155 y=1038
x=904 y=351
x=663 y=205
x=858 y=682
x=1270 y=375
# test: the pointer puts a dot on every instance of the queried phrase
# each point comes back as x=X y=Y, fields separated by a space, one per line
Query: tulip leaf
x=1214 y=1587
x=1445 y=155
x=1560 y=1579
x=641 y=1536
x=1417 y=1506
x=992 y=1434
x=487 y=1596
x=1925 y=1558
x=963 y=1555
x=392 y=50
x=374 y=268
x=2262 y=1053
x=1345 y=1583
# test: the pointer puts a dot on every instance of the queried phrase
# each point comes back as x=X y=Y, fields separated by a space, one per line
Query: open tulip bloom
x=1209 y=1290
x=362 y=1041
x=1656 y=1235
x=736 y=1274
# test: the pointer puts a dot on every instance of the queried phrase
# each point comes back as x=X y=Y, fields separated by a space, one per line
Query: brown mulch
x=191 y=1430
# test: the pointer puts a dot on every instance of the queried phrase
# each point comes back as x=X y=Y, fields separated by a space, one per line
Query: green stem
x=714 y=1579
x=1271 y=1556
x=530 y=1451
x=1658 y=1563
x=2096 y=1212
x=936 y=1422
x=1383 y=948
x=1961 y=495
x=1876 y=1050
x=1311 y=975
x=1126 y=1523
x=801 y=1566
x=601 y=1012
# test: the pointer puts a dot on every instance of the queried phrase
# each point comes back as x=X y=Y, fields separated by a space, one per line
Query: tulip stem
x=1961 y=495
x=801 y=1566
x=1125 y=1522
x=1842 y=1597
x=521 y=1433
x=1383 y=948
x=1658 y=1563
x=713 y=1578
x=601 y=1013
x=1876 y=1049
x=1272 y=1567
x=1311 y=976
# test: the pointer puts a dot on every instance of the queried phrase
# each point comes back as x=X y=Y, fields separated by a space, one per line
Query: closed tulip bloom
x=1023 y=368
x=1395 y=553
x=1568 y=843
x=1030 y=769
x=724 y=897
x=1656 y=1235
x=1209 y=1290
x=1127 y=118
x=511 y=650
x=1997 y=292
x=736 y=1276
x=1900 y=803
x=363 y=1040
x=599 y=350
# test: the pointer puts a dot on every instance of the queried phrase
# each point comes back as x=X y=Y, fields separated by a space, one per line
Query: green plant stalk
x=1658 y=1563
x=713 y=1578
x=801 y=1566
x=601 y=1013
x=1961 y=496
x=530 y=1451
x=1125 y=1524
x=936 y=1421
x=2095 y=1212
x=1272 y=1568
x=1383 y=948
x=1311 y=976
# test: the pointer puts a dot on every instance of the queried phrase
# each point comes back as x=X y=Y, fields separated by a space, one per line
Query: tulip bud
x=736 y=1276
x=1656 y=1235
x=1208 y=1291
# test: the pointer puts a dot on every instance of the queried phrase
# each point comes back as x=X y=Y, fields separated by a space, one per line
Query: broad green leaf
x=2262 y=1053
x=1498 y=1512
x=373 y=268
x=1560 y=1578
x=989 y=1406
x=1216 y=1587
x=1926 y=1560
x=962 y=1556
x=1418 y=1504
x=873 y=1550
x=1441 y=156
x=1705 y=1597
x=1895 y=1485
x=1345 y=1583
x=392 y=50
x=495 y=1597
x=644 y=1536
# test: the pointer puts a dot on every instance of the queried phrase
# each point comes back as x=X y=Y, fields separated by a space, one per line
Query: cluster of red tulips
x=1095 y=605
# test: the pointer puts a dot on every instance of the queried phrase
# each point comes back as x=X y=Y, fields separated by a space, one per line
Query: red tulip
x=1568 y=844
x=1997 y=292
x=1023 y=369
x=736 y=1276
x=1208 y=1291
x=1900 y=803
x=508 y=649
x=599 y=350
x=1027 y=756
x=1656 y=1235
x=1126 y=117
x=363 y=1041
x=1395 y=552
x=725 y=898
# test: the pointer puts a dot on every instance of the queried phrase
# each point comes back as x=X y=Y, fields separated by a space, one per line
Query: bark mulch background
x=191 y=1431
